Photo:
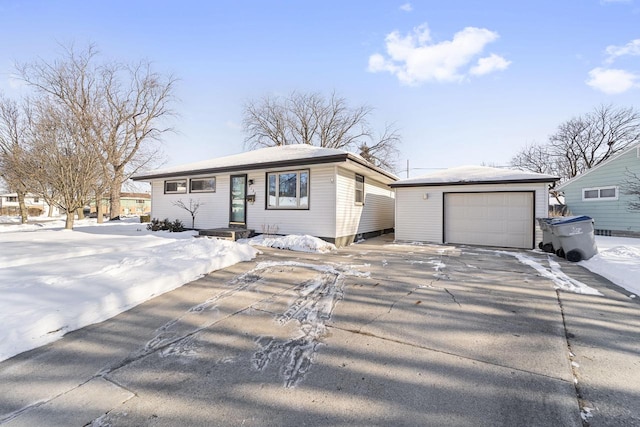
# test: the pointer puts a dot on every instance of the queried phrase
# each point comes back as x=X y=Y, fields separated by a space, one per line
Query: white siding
x=419 y=210
x=377 y=212
x=213 y=211
x=318 y=220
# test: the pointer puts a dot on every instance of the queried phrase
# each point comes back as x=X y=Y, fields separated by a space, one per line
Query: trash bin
x=575 y=237
x=547 y=234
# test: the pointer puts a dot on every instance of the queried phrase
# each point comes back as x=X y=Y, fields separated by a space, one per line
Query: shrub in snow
x=165 y=225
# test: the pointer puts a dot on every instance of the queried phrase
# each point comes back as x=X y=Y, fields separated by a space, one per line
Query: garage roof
x=472 y=175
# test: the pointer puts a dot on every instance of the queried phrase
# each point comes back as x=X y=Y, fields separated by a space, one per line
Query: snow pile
x=54 y=281
x=293 y=242
x=618 y=260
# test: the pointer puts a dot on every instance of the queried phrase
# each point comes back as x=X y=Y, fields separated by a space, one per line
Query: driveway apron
x=373 y=334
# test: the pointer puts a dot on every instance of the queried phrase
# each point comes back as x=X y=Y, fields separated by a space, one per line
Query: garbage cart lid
x=570 y=219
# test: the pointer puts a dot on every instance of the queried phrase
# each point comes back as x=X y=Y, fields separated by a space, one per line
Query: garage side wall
x=419 y=210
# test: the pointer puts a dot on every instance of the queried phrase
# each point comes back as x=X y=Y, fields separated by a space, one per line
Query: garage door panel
x=490 y=219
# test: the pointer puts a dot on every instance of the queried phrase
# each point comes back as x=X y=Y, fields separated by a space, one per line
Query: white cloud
x=612 y=81
x=415 y=58
x=489 y=64
x=631 y=49
x=406 y=7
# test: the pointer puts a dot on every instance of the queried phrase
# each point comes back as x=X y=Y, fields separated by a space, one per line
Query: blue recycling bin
x=575 y=237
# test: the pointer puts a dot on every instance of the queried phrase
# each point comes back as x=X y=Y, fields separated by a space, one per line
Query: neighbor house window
x=359 y=189
x=600 y=193
x=12 y=199
x=288 y=190
x=175 y=186
x=36 y=200
x=203 y=185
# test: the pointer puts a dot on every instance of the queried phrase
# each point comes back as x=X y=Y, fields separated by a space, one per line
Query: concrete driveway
x=375 y=334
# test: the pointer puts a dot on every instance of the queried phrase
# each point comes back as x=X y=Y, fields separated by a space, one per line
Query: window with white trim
x=288 y=190
x=600 y=193
x=175 y=186
x=359 y=190
x=203 y=185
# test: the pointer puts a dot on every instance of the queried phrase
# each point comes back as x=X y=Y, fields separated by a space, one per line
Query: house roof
x=606 y=162
x=472 y=175
x=281 y=156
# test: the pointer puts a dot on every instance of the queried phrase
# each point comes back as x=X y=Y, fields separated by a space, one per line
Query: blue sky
x=466 y=82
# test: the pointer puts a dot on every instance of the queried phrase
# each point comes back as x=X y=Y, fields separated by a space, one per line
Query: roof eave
x=442 y=184
x=336 y=158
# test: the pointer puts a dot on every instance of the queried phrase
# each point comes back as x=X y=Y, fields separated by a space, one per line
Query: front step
x=232 y=234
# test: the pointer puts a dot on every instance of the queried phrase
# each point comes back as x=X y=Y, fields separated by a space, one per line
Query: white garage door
x=489 y=219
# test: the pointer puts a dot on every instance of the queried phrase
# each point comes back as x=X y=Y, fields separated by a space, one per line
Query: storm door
x=238 y=213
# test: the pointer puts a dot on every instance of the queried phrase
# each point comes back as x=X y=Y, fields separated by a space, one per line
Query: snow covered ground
x=54 y=281
x=618 y=260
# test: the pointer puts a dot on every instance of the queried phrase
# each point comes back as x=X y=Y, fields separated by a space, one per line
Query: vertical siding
x=607 y=214
x=421 y=219
x=377 y=212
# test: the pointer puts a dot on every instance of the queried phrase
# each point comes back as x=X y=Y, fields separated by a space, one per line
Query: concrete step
x=232 y=234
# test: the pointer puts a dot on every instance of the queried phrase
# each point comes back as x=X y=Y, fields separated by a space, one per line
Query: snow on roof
x=473 y=175
x=270 y=155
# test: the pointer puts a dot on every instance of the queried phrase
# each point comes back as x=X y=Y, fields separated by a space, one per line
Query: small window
x=591 y=194
x=600 y=193
x=359 y=194
x=203 y=185
x=140 y=201
x=288 y=190
x=36 y=200
x=12 y=199
x=175 y=186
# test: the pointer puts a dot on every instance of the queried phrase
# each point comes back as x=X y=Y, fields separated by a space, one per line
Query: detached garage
x=472 y=205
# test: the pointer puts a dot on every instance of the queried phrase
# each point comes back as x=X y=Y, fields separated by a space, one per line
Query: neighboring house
x=36 y=205
x=130 y=204
x=293 y=189
x=473 y=205
x=600 y=193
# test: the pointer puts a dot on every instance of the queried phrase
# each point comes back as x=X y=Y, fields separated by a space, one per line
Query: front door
x=238 y=214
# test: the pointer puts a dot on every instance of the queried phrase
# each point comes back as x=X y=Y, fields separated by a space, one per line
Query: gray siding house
x=601 y=194
x=294 y=189
x=473 y=205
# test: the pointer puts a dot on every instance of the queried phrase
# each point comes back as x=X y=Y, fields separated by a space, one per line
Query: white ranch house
x=294 y=189
x=473 y=205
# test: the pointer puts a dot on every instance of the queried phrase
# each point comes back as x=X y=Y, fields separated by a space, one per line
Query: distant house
x=130 y=204
x=600 y=193
x=293 y=189
x=473 y=205
x=36 y=205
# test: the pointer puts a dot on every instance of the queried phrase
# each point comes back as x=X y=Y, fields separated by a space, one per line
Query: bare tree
x=60 y=159
x=14 y=151
x=582 y=142
x=193 y=207
x=311 y=118
x=119 y=110
x=632 y=187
